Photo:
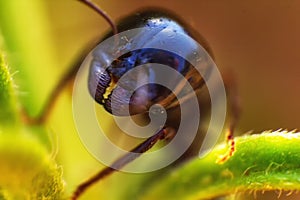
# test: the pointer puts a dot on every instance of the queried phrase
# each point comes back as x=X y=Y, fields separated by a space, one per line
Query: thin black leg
x=234 y=114
x=66 y=79
x=162 y=134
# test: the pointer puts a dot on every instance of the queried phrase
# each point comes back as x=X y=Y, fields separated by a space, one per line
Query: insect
x=115 y=96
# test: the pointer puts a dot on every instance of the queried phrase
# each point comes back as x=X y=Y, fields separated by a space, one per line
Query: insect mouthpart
x=99 y=81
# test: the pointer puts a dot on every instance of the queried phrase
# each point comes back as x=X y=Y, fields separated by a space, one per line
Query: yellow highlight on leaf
x=27 y=170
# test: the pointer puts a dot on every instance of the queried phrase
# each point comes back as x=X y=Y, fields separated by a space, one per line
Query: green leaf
x=267 y=161
x=27 y=170
x=28 y=44
x=7 y=95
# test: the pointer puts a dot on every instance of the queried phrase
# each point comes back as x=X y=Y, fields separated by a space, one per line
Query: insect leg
x=164 y=133
x=234 y=114
x=67 y=78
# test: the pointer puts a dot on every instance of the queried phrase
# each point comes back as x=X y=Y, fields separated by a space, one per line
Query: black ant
x=100 y=79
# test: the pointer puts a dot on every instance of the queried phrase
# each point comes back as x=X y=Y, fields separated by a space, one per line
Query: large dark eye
x=104 y=84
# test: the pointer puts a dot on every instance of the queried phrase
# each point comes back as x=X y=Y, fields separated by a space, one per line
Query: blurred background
x=256 y=41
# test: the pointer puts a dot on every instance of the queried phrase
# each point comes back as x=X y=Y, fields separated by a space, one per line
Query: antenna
x=100 y=11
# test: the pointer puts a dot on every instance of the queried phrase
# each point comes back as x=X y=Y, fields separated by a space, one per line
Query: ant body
x=140 y=102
